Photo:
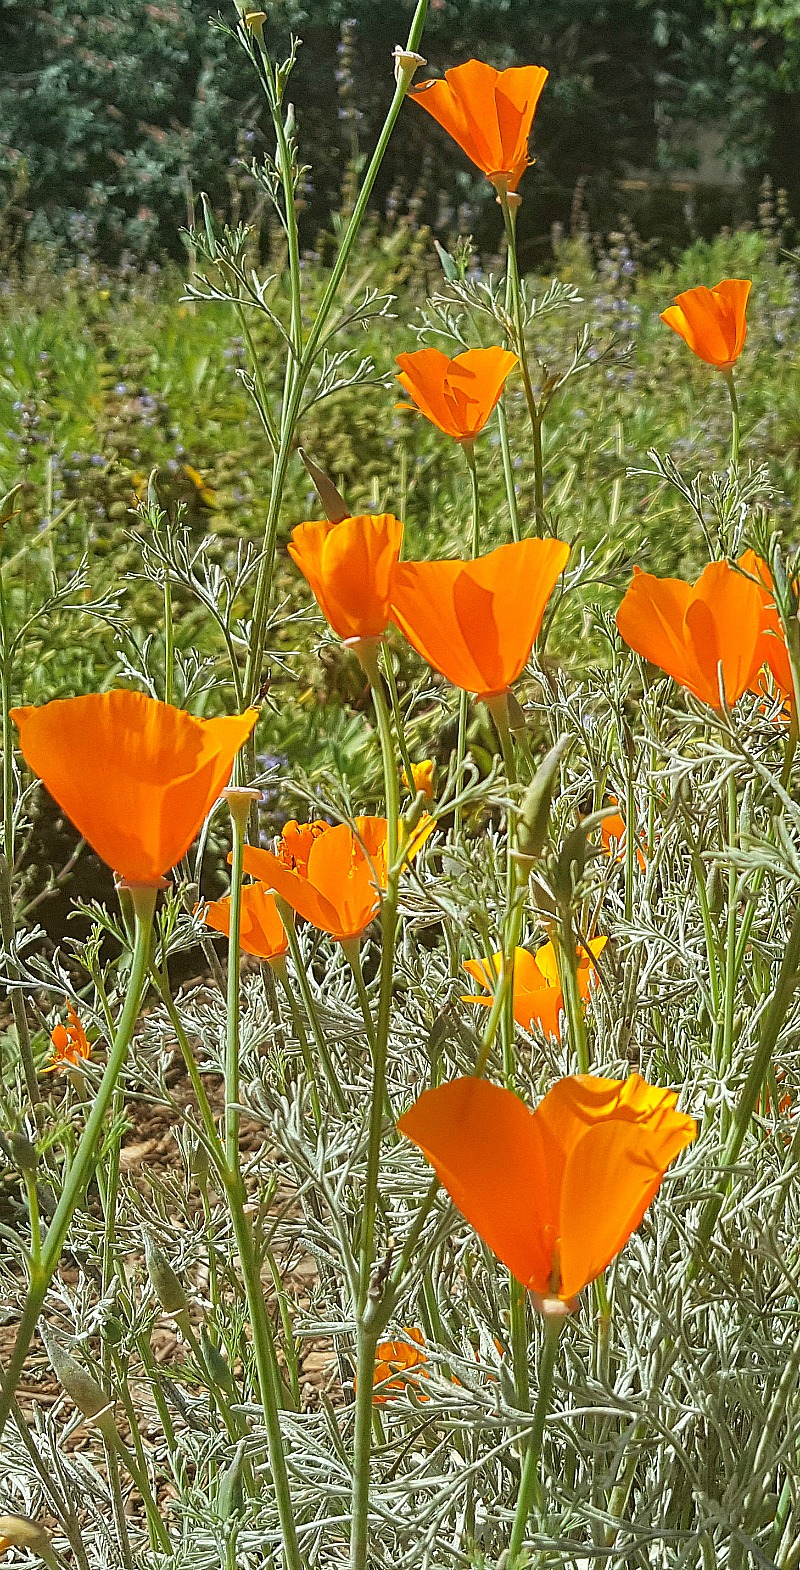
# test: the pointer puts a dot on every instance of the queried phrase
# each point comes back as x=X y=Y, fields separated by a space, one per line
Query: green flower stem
x=631 y=844
x=298 y=373
x=508 y=470
x=773 y=1020
x=7 y=858
x=568 y=976
x=239 y=803
x=269 y=1382
x=368 y=1315
x=287 y=917
x=397 y=716
x=144 y=899
x=169 y=639
x=352 y=952
x=731 y=973
x=279 y=966
x=463 y=701
x=510 y=221
x=531 y=1492
x=731 y=386
x=519 y=1327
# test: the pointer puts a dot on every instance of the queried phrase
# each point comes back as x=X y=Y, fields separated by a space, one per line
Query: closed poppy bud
x=475 y=621
x=489 y=114
x=695 y=631
x=457 y=395
x=155 y=773
x=163 y=1279
x=536 y=803
x=712 y=321
x=350 y=567
x=556 y=1192
x=422 y=775
x=76 y=1380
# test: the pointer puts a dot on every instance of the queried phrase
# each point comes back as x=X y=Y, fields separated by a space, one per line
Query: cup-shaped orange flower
x=693 y=630
x=350 y=567
x=339 y=887
x=489 y=114
x=457 y=395
x=136 y=777
x=262 y=932
x=774 y=651
x=556 y=1192
x=538 y=999
x=69 y=1042
x=398 y=1358
x=712 y=321
x=475 y=622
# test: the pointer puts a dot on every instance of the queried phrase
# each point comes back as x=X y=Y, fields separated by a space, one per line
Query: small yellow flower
x=421 y=778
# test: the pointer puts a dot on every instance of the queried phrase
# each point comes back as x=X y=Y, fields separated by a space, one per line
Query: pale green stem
x=169 y=640
x=463 y=701
x=399 y=728
x=730 y=942
x=287 y=917
x=773 y=1020
x=7 y=859
x=239 y=804
x=510 y=221
x=508 y=471
x=731 y=386
x=531 y=1492
x=279 y=966
x=86 y=1154
x=573 y=1003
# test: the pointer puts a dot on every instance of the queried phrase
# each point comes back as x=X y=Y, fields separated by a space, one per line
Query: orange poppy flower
x=136 y=777
x=457 y=395
x=538 y=998
x=294 y=846
x=774 y=652
x=261 y=933
x=557 y=1192
x=612 y=837
x=397 y=1357
x=422 y=776
x=339 y=888
x=489 y=114
x=712 y=321
x=475 y=622
x=69 y=1042
x=349 y=566
x=689 y=630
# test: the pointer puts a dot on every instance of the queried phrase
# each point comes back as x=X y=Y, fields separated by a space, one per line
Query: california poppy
x=349 y=566
x=136 y=777
x=689 y=630
x=69 y=1042
x=422 y=777
x=557 y=1192
x=538 y=998
x=612 y=837
x=261 y=932
x=489 y=114
x=339 y=887
x=457 y=395
x=395 y=1358
x=712 y=321
x=774 y=651
x=475 y=622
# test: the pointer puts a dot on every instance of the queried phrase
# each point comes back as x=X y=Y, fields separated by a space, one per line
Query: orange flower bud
x=712 y=321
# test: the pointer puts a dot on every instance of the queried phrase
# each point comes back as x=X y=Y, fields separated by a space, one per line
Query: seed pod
x=78 y=1383
x=25 y=1153
x=231 y=1494
x=536 y=803
x=216 y=1367
x=163 y=1279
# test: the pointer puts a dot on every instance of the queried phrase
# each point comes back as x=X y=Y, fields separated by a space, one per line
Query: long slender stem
x=510 y=221
x=530 y=1488
x=730 y=941
x=239 y=804
x=463 y=701
x=86 y=1153
x=573 y=1003
x=773 y=1020
x=7 y=858
x=279 y=966
x=731 y=386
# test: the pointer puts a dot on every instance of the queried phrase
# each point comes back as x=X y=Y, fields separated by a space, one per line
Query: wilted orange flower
x=774 y=652
x=612 y=837
x=712 y=321
x=349 y=566
x=475 y=622
x=538 y=998
x=489 y=113
x=136 y=777
x=68 y=1041
x=422 y=776
x=691 y=629
x=457 y=395
x=557 y=1192
x=397 y=1357
x=339 y=888
x=261 y=933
